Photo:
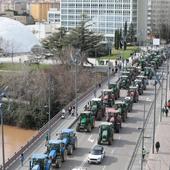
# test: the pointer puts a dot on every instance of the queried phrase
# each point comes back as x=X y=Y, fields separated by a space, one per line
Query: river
x=14 y=138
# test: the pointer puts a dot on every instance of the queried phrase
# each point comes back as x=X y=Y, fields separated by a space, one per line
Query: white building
x=53 y=16
x=105 y=15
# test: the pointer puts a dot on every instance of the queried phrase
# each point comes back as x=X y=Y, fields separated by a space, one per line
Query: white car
x=96 y=155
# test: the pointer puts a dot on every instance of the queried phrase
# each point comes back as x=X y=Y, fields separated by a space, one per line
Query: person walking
x=69 y=110
x=73 y=111
x=157 y=146
x=166 y=111
x=22 y=159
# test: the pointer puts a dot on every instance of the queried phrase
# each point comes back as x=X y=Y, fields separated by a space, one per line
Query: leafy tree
x=125 y=35
x=117 y=39
x=121 y=39
x=56 y=43
x=131 y=33
x=84 y=39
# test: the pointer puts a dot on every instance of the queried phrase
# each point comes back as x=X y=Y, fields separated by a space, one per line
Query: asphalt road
x=117 y=155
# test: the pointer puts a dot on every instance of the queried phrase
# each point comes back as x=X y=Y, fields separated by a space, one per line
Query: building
x=160 y=15
x=39 y=10
x=105 y=15
x=54 y=16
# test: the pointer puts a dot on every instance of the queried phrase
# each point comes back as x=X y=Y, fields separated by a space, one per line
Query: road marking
x=104 y=167
x=119 y=137
x=90 y=140
x=113 y=151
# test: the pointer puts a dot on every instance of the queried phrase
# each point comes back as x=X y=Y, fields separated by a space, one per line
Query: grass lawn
x=18 y=67
x=125 y=54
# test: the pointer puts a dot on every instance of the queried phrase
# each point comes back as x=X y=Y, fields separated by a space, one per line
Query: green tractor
x=144 y=80
x=106 y=133
x=122 y=107
x=115 y=90
x=108 y=97
x=56 y=152
x=133 y=92
x=129 y=102
x=148 y=71
x=86 y=122
x=138 y=83
x=97 y=108
x=124 y=82
x=70 y=140
x=40 y=161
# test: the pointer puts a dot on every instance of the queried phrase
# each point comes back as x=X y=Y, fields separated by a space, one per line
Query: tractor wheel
x=99 y=141
x=75 y=145
x=77 y=128
x=89 y=128
x=110 y=141
x=58 y=164
x=70 y=150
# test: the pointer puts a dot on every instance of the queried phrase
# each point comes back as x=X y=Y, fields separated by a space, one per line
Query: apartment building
x=105 y=15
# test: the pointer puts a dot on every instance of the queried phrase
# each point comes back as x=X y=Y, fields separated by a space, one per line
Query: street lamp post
x=154 y=119
x=162 y=84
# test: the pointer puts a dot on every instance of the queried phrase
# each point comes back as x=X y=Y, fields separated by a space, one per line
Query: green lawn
x=18 y=67
x=125 y=54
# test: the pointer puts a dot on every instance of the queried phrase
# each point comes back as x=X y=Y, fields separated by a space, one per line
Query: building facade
x=39 y=10
x=54 y=16
x=105 y=15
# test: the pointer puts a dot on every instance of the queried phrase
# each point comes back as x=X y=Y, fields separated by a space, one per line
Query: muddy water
x=14 y=138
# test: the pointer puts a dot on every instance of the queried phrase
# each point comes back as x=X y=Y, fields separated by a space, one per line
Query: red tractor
x=114 y=117
x=133 y=92
x=168 y=104
x=108 y=97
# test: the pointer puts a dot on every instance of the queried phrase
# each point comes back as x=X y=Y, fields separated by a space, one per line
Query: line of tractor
x=110 y=108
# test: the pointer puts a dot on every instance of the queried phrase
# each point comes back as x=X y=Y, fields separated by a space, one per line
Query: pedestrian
x=166 y=111
x=157 y=146
x=46 y=139
x=73 y=111
x=69 y=110
x=99 y=85
x=22 y=158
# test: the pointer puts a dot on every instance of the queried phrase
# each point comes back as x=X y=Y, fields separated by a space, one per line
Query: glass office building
x=105 y=15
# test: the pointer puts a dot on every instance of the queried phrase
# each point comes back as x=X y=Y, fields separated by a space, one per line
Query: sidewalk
x=161 y=161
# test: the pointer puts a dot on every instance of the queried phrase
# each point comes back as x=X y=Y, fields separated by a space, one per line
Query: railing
x=53 y=122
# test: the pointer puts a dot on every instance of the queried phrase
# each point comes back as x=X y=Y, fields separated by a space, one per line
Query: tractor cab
x=106 y=133
x=70 y=139
x=129 y=102
x=40 y=161
x=124 y=82
x=86 y=121
x=148 y=72
x=122 y=107
x=140 y=86
x=107 y=97
x=115 y=89
x=133 y=92
x=97 y=108
x=144 y=80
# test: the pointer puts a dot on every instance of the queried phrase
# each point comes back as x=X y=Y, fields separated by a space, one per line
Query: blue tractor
x=56 y=152
x=69 y=139
x=40 y=162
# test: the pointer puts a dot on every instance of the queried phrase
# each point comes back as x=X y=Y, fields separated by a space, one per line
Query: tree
x=121 y=39
x=84 y=39
x=125 y=35
x=131 y=34
x=56 y=43
x=117 y=39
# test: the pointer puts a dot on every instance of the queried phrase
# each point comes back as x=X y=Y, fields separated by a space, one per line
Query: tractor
x=148 y=72
x=40 y=161
x=97 y=108
x=108 y=97
x=115 y=90
x=70 y=140
x=122 y=107
x=124 y=82
x=144 y=80
x=56 y=152
x=114 y=117
x=86 y=121
x=139 y=85
x=129 y=102
x=133 y=92
x=106 y=133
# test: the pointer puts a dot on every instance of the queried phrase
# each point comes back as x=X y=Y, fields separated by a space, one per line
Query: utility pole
x=143 y=131
x=154 y=119
x=162 y=84
x=167 y=72
x=49 y=107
